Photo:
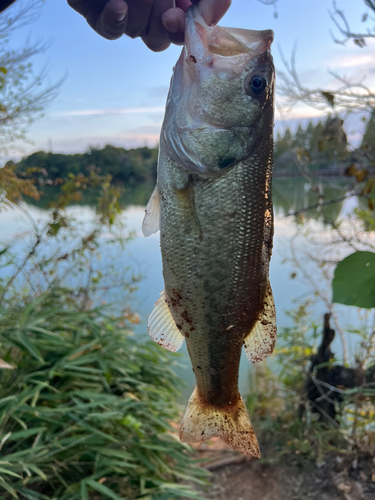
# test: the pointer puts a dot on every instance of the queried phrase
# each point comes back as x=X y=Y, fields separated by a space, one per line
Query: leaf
x=25 y=434
x=354 y=280
x=4 y=250
x=38 y=471
x=330 y=98
x=102 y=489
x=84 y=492
x=9 y=472
x=8 y=488
x=5 y=366
x=34 y=351
x=360 y=41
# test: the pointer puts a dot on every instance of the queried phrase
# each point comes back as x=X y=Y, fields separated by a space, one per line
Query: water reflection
x=289 y=194
x=142 y=256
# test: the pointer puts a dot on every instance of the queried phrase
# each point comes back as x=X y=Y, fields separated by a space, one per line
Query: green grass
x=86 y=413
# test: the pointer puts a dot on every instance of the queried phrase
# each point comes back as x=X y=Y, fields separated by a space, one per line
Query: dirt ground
x=235 y=478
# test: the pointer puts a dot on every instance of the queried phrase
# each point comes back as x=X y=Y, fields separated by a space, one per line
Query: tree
x=368 y=141
x=316 y=136
x=351 y=279
x=300 y=138
x=23 y=95
x=347 y=96
x=282 y=145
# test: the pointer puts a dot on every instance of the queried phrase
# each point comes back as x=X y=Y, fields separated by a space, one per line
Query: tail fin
x=202 y=421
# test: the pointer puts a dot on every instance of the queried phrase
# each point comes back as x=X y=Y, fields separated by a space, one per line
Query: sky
x=114 y=92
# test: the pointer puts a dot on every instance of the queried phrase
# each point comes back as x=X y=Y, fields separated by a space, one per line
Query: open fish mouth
x=198 y=125
x=207 y=45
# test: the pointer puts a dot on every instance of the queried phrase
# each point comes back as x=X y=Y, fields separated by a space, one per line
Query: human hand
x=158 y=22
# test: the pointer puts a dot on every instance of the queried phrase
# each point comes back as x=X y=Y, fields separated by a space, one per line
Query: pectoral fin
x=261 y=341
x=151 y=222
x=162 y=327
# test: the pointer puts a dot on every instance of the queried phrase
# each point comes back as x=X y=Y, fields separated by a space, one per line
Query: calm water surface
x=142 y=256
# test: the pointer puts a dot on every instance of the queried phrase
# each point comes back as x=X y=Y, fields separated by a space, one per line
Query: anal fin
x=261 y=341
x=162 y=327
x=151 y=221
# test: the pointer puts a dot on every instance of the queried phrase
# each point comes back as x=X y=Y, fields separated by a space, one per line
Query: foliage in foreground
x=288 y=421
x=354 y=280
x=86 y=412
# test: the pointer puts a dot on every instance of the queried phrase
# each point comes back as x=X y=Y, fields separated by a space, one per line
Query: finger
x=139 y=17
x=156 y=38
x=174 y=23
x=85 y=6
x=213 y=10
x=112 y=22
x=183 y=4
x=107 y=18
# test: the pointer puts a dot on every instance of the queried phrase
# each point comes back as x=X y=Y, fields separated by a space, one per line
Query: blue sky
x=114 y=91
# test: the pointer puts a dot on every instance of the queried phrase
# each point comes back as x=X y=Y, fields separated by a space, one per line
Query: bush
x=291 y=423
x=86 y=413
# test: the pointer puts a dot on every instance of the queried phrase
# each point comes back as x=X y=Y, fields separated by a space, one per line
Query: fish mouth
x=206 y=43
x=223 y=51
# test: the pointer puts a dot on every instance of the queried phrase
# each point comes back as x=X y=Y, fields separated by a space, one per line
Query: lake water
x=142 y=256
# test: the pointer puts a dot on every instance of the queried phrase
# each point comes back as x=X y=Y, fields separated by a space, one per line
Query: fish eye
x=257 y=84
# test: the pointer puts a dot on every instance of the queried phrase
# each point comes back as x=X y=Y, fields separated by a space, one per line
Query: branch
x=348 y=96
x=327 y=202
x=20 y=15
x=319 y=293
x=342 y=24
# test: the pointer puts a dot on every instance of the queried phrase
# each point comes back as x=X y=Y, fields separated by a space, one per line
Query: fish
x=213 y=206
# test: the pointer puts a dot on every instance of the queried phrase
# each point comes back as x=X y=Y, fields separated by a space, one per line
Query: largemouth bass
x=213 y=206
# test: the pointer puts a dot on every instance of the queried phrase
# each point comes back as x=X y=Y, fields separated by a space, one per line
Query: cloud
x=352 y=61
x=113 y=111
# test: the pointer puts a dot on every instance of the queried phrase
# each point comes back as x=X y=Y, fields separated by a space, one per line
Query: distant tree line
x=324 y=143
x=131 y=166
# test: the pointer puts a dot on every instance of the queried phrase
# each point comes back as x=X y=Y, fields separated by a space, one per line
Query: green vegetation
x=23 y=93
x=324 y=144
x=290 y=420
x=132 y=166
x=87 y=410
x=368 y=141
x=354 y=280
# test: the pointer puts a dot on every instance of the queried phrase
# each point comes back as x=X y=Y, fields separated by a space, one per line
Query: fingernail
x=171 y=25
x=120 y=15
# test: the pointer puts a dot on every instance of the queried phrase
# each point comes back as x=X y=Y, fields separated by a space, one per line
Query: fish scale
x=213 y=206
